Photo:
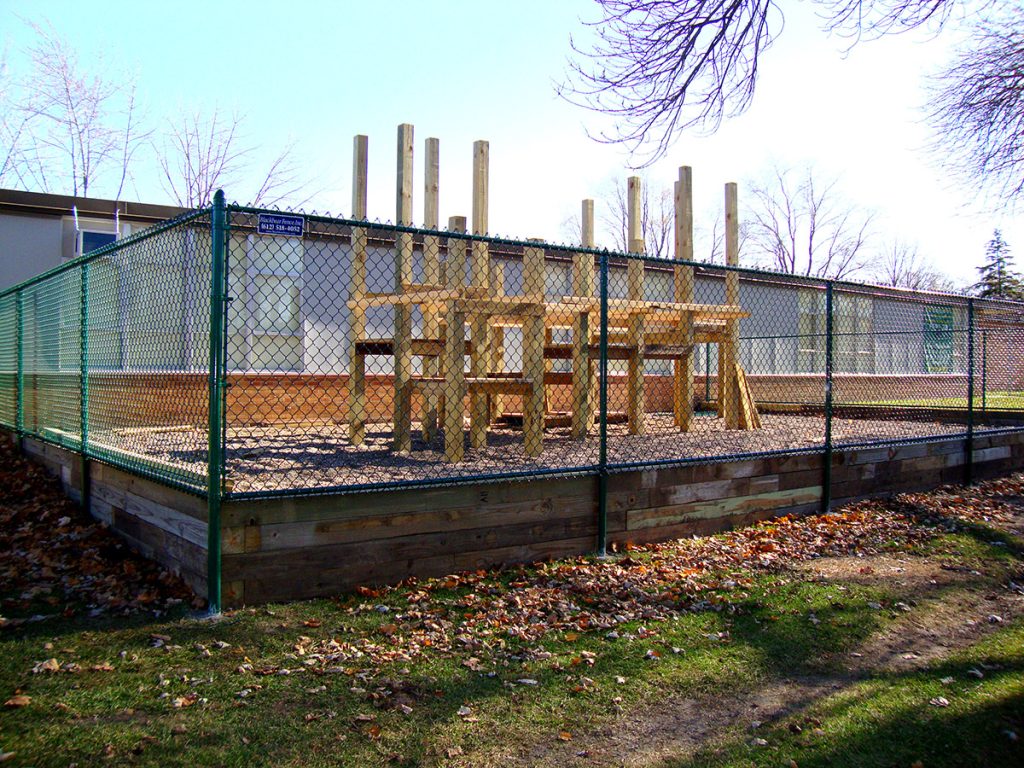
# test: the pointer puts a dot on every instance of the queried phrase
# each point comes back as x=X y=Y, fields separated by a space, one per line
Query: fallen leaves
x=57 y=560
x=17 y=701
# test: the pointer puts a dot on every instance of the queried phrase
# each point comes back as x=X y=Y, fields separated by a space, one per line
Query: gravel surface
x=320 y=455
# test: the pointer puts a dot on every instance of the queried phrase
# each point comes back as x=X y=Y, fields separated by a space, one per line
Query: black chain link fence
x=359 y=355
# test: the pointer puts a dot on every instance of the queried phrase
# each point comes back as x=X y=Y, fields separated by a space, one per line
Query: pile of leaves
x=57 y=560
x=492 y=616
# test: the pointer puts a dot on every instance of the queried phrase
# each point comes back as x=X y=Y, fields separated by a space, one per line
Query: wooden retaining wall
x=298 y=547
x=304 y=547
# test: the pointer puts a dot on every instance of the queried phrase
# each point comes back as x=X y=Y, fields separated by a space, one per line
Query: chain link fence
x=354 y=355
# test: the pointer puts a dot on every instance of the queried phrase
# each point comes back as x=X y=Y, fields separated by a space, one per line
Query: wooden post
x=431 y=276
x=729 y=391
x=582 y=285
x=479 y=276
x=496 y=340
x=357 y=291
x=403 y=276
x=454 y=347
x=682 y=381
x=533 y=352
x=635 y=331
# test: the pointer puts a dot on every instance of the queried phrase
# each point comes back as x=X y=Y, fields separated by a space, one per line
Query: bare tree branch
x=901 y=265
x=660 y=67
x=978 y=106
x=800 y=226
x=201 y=154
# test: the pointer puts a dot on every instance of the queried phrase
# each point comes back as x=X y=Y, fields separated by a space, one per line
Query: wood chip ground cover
x=589 y=662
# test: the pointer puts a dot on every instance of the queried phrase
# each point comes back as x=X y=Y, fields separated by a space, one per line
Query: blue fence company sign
x=280 y=224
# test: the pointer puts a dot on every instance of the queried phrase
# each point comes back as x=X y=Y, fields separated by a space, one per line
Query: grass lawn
x=996 y=401
x=762 y=652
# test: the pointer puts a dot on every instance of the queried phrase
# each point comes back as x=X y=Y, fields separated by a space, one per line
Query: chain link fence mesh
x=123 y=335
x=362 y=355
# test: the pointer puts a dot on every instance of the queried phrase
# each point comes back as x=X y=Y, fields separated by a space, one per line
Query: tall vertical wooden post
x=403 y=277
x=357 y=314
x=582 y=285
x=431 y=276
x=454 y=346
x=635 y=287
x=728 y=385
x=533 y=351
x=682 y=380
x=479 y=274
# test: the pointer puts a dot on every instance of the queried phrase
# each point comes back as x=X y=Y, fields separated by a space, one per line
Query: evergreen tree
x=998 y=278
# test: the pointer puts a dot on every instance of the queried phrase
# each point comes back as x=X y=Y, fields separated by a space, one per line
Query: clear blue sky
x=320 y=72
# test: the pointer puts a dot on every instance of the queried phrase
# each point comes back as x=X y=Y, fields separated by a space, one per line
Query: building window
x=852 y=327
x=265 y=320
x=810 y=352
x=89 y=240
x=939 y=339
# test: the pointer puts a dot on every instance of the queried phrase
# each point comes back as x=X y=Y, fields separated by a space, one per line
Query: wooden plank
x=533 y=353
x=634 y=230
x=361 y=505
x=727 y=379
x=584 y=382
x=313 y=533
x=431 y=274
x=673 y=515
x=403 y=274
x=173 y=521
x=331 y=581
x=357 y=291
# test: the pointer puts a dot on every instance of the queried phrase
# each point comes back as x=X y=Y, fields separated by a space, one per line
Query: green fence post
x=969 y=443
x=826 y=482
x=602 y=472
x=214 y=473
x=984 y=370
x=83 y=412
x=19 y=417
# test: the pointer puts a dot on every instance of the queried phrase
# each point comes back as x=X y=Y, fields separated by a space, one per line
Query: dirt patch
x=321 y=455
x=943 y=609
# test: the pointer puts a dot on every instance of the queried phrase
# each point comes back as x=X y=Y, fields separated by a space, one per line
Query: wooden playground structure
x=457 y=373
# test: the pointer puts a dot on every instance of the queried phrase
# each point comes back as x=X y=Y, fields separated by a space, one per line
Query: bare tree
x=657 y=219
x=200 y=154
x=901 y=265
x=662 y=66
x=79 y=124
x=978 y=105
x=800 y=225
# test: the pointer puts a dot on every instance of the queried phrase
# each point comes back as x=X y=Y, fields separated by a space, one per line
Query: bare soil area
x=321 y=455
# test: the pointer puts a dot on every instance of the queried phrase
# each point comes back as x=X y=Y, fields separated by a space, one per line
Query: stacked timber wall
x=285 y=548
x=297 y=547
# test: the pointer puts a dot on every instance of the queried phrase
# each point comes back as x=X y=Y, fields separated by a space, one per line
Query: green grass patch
x=966 y=711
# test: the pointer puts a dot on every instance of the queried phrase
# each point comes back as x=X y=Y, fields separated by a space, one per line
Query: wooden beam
x=357 y=313
x=582 y=285
x=403 y=274
x=635 y=235
x=727 y=377
x=479 y=277
x=431 y=274
x=454 y=354
x=533 y=353
x=682 y=379
x=635 y=403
